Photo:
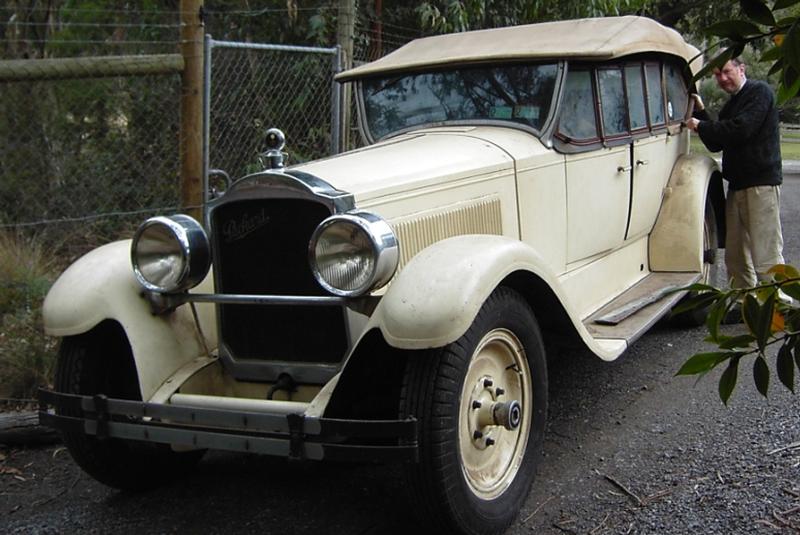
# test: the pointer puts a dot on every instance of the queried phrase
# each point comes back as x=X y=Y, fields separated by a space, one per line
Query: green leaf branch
x=758 y=24
x=771 y=318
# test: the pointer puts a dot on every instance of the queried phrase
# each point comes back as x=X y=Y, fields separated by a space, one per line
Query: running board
x=633 y=312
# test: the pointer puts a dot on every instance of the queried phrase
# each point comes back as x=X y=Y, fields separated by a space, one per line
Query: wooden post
x=344 y=36
x=191 y=135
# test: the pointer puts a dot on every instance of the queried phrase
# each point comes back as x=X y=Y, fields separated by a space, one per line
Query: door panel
x=652 y=164
x=598 y=195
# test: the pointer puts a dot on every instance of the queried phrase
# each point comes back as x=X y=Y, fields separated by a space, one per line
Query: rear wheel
x=101 y=362
x=481 y=403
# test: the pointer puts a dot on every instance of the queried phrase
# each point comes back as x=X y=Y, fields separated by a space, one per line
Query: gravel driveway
x=630 y=449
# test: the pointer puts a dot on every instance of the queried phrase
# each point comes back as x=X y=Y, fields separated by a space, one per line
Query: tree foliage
x=774 y=30
x=771 y=320
x=687 y=16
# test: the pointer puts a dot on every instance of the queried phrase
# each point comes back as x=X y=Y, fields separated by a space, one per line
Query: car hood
x=423 y=158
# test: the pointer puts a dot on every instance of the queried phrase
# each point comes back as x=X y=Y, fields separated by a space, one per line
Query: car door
x=598 y=178
x=646 y=107
x=654 y=153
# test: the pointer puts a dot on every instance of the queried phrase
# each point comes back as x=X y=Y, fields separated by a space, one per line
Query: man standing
x=747 y=133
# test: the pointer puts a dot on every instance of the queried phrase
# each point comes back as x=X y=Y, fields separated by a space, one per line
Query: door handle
x=624 y=169
x=642 y=162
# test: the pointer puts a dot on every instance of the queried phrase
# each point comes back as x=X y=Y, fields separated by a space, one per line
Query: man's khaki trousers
x=754 y=240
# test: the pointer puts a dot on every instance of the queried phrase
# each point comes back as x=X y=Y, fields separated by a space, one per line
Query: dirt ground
x=630 y=449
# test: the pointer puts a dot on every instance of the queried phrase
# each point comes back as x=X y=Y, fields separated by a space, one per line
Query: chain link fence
x=253 y=87
x=86 y=148
x=90 y=147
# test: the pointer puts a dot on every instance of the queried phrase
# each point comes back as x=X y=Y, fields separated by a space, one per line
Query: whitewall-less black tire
x=481 y=403
x=100 y=362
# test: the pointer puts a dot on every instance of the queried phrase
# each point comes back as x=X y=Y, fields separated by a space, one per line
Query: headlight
x=170 y=254
x=353 y=253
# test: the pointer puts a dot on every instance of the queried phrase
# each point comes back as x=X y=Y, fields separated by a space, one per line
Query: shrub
x=27 y=356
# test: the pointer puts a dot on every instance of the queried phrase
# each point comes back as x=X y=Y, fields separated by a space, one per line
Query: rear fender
x=101 y=286
x=676 y=242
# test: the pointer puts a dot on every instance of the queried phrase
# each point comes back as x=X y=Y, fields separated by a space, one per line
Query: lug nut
x=476 y=435
x=487 y=383
x=476 y=404
x=499 y=392
x=489 y=441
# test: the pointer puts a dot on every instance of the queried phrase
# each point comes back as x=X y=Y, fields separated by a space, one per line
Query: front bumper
x=295 y=436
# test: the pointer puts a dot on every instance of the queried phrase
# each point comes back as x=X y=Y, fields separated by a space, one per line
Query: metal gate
x=252 y=87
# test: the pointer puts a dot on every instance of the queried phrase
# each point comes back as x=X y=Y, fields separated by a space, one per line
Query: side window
x=634 y=86
x=655 y=94
x=612 y=102
x=677 y=95
x=578 y=121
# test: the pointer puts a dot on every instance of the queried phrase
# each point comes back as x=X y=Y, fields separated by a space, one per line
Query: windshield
x=520 y=94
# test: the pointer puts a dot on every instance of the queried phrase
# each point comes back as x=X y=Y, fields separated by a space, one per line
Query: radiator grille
x=261 y=247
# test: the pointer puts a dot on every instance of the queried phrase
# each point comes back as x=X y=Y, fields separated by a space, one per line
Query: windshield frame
x=544 y=133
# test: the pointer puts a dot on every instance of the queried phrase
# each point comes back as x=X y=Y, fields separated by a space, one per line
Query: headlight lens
x=353 y=253
x=170 y=254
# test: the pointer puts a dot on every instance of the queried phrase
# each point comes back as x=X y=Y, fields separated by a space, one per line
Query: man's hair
x=736 y=61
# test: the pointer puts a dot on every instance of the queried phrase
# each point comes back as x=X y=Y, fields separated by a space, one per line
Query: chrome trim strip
x=288 y=184
x=172 y=300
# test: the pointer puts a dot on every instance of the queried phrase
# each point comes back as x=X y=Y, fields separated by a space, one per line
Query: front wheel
x=481 y=402
x=101 y=362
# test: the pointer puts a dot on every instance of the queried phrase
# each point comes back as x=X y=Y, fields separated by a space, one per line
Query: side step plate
x=633 y=312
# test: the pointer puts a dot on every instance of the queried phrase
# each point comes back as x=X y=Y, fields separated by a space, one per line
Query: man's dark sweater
x=748 y=135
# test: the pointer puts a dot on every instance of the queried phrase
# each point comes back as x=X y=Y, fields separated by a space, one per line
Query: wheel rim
x=491 y=453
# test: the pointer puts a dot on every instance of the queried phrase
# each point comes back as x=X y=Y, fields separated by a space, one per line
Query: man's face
x=729 y=77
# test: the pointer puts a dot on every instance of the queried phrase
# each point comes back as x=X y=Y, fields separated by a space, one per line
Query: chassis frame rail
x=295 y=436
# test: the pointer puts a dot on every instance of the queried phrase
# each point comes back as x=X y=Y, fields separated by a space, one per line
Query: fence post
x=191 y=135
x=336 y=104
x=344 y=37
x=208 y=47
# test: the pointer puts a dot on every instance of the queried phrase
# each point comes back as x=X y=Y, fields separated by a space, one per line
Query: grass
x=790 y=145
x=27 y=356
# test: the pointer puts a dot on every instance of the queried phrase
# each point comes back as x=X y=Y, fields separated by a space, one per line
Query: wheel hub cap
x=495 y=413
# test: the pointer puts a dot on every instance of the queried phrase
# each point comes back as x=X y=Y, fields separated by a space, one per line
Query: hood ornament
x=273 y=157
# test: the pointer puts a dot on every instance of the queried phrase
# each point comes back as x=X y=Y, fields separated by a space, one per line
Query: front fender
x=437 y=295
x=101 y=286
x=676 y=242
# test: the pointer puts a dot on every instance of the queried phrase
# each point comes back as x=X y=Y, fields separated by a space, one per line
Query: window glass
x=635 y=89
x=612 y=102
x=516 y=93
x=677 y=95
x=655 y=95
x=578 y=120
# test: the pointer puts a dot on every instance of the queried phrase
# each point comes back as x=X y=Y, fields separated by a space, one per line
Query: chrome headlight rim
x=384 y=251
x=194 y=248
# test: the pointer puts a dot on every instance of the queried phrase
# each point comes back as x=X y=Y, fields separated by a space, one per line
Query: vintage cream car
x=523 y=189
